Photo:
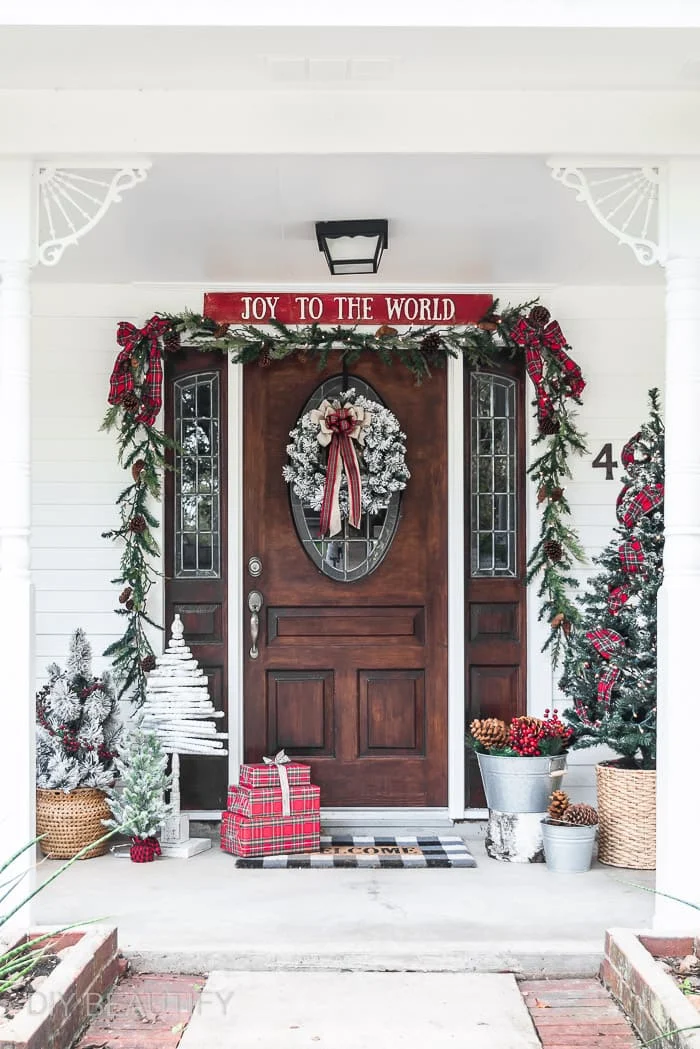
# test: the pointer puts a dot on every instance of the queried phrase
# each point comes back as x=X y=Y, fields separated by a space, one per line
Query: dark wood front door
x=351 y=676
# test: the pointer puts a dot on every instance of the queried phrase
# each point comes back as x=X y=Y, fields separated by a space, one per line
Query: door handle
x=255 y=603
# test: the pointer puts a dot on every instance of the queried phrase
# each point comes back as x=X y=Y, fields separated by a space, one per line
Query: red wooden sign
x=259 y=307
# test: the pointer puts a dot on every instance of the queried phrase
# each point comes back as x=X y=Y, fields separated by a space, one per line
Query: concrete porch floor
x=202 y=914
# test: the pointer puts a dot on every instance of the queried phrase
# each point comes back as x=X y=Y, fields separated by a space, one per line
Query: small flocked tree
x=610 y=663
x=78 y=726
x=138 y=805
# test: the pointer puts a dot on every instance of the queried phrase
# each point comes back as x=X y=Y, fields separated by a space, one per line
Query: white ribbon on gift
x=279 y=761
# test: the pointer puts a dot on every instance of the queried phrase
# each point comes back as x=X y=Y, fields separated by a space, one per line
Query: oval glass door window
x=353 y=553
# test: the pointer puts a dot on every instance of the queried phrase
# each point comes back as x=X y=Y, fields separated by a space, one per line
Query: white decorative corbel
x=623 y=196
x=74 y=196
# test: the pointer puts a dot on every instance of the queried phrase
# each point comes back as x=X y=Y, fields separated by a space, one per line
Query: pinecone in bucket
x=581 y=815
x=492 y=733
x=558 y=804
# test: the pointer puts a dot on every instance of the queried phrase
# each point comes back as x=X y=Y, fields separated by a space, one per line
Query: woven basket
x=627 y=816
x=71 y=821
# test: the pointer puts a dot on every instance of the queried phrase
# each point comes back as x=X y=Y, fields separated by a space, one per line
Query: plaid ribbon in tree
x=628 y=454
x=535 y=337
x=631 y=556
x=617 y=597
x=630 y=513
x=606 y=682
x=122 y=378
x=605 y=642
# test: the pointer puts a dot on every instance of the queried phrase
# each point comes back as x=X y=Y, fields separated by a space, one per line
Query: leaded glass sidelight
x=197 y=466
x=355 y=552
x=493 y=475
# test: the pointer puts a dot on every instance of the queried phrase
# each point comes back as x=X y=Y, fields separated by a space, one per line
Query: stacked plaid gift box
x=274 y=809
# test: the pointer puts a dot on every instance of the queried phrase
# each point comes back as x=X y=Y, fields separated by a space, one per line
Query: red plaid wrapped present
x=268 y=801
x=298 y=775
x=270 y=836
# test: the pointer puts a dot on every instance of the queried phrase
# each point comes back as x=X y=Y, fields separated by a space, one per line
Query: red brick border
x=55 y=1014
x=576 y=1014
x=145 y=1011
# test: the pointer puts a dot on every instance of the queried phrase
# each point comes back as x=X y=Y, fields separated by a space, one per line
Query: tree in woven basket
x=77 y=724
x=610 y=662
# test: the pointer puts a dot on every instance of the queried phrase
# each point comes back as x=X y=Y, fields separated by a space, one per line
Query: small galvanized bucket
x=568 y=850
x=514 y=784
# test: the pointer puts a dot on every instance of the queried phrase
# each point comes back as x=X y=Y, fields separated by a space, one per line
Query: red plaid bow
x=122 y=378
x=536 y=338
x=628 y=454
x=617 y=597
x=631 y=556
x=605 y=642
x=606 y=682
x=646 y=500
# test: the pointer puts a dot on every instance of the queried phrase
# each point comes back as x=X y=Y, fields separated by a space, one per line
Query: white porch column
x=678 y=837
x=16 y=613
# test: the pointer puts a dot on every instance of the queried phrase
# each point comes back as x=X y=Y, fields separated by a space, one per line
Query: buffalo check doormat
x=373 y=851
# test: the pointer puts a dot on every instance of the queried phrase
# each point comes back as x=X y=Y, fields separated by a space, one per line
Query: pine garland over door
x=524 y=331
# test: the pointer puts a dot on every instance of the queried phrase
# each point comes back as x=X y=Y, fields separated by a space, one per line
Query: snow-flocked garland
x=382 y=459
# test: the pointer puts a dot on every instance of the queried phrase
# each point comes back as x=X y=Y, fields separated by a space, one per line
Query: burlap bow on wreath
x=339 y=426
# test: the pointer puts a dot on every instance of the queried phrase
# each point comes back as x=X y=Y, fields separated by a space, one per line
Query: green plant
x=19 y=961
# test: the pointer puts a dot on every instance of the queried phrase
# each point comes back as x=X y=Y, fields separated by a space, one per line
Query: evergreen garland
x=609 y=669
x=484 y=345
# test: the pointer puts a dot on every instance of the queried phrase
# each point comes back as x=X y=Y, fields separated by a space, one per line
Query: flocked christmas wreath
x=362 y=428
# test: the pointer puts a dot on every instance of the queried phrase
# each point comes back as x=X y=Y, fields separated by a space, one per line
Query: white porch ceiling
x=452 y=220
x=353 y=58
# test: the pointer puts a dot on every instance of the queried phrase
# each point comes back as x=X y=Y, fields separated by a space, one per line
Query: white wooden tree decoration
x=180 y=711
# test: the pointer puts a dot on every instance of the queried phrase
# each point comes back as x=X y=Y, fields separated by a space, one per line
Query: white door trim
x=455 y=587
x=235 y=569
x=455 y=593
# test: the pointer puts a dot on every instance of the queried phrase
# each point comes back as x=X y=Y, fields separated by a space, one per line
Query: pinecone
x=129 y=605
x=125 y=595
x=581 y=815
x=221 y=331
x=528 y=722
x=385 y=330
x=492 y=733
x=557 y=620
x=556 y=494
x=549 y=425
x=264 y=360
x=553 y=550
x=558 y=804
x=148 y=663
x=137 y=468
x=539 y=316
x=130 y=402
x=138 y=524
x=431 y=344
x=171 y=340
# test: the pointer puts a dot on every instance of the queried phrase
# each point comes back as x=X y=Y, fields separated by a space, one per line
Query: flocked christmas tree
x=610 y=664
x=78 y=725
x=138 y=804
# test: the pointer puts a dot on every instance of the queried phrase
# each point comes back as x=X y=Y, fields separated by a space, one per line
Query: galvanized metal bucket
x=568 y=850
x=520 y=784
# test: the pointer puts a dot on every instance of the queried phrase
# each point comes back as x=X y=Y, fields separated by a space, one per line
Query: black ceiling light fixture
x=353 y=246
